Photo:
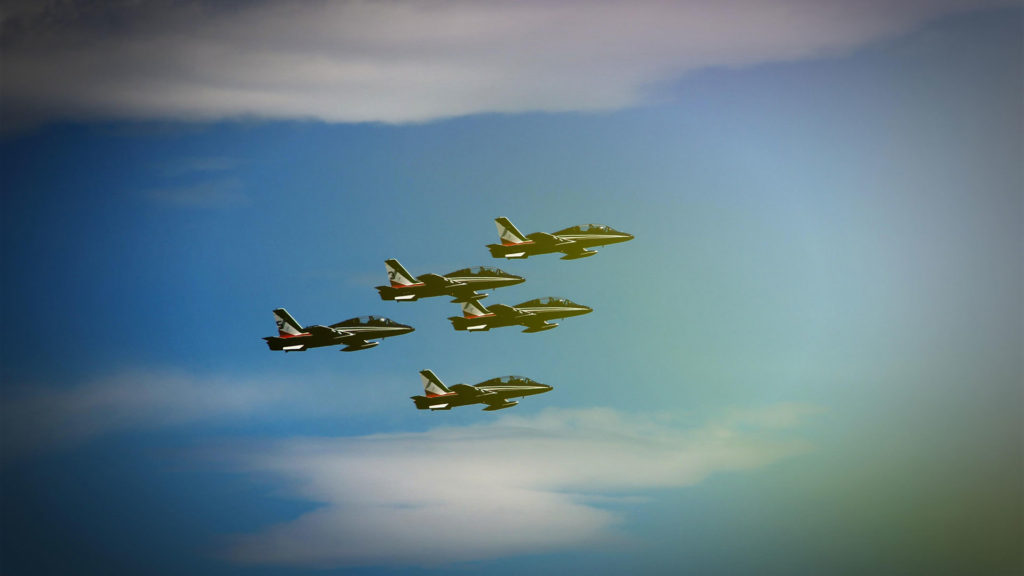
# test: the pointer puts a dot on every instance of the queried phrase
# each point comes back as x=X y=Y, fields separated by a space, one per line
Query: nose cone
x=578 y=310
x=407 y=329
x=539 y=388
x=513 y=279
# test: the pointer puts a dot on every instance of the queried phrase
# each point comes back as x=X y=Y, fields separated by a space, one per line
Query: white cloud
x=404 y=60
x=519 y=485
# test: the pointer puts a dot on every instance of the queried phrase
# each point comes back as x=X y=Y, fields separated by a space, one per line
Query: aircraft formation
x=361 y=333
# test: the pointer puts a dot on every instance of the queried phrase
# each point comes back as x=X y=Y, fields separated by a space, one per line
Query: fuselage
x=588 y=240
x=532 y=313
x=354 y=333
x=573 y=240
x=496 y=392
x=554 y=311
x=459 y=284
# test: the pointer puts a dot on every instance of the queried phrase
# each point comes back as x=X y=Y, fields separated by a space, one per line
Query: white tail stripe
x=432 y=386
x=286 y=326
x=508 y=234
x=397 y=275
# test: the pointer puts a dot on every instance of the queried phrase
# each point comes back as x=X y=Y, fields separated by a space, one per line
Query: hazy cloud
x=199 y=165
x=530 y=484
x=215 y=193
x=44 y=416
x=405 y=60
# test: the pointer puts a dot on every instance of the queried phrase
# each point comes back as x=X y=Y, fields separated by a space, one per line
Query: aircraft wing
x=504 y=311
x=326 y=332
x=438 y=280
x=549 y=239
x=468 y=391
x=464 y=293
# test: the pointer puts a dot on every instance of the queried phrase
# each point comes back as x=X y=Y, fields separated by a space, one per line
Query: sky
x=807 y=361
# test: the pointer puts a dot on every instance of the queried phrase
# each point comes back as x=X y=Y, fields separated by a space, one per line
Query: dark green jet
x=354 y=333
x=495 y=393
x=573 y=241
x=534 y=314
x=461 y=284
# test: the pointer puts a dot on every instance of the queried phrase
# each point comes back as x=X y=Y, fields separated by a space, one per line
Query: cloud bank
x=38 y=417
x=403 y=60
x=41 y=417
x=521 y=485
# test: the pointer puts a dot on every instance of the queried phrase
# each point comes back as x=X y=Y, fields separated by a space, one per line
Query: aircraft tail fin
x=473 y=308
x=286 y=325
x=432 y=385
x=397 y=275
x=508 y=233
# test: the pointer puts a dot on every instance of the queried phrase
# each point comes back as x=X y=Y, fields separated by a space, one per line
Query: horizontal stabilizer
x=286 y=344
x=392 y=293
x=460 y=323
x=440 y=407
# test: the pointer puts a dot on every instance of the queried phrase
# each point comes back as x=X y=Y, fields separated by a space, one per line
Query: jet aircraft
x=354 y=333
x=495 y=393
x=533 y=314
x=573 y=242
x=461 y=284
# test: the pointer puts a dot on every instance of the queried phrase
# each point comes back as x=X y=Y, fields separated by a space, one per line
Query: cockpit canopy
x=510 y=380
x=589 y=229
x=548 y=301
x=478 y=271
x=367 y=321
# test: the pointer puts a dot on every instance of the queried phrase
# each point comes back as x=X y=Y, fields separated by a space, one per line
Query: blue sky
x=807 y=361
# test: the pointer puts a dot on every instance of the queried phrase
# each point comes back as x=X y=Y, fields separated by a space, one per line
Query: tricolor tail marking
x=397 y=275
x=286 y=325
x=508 y=233
x=474 y=309
x=432 y=385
